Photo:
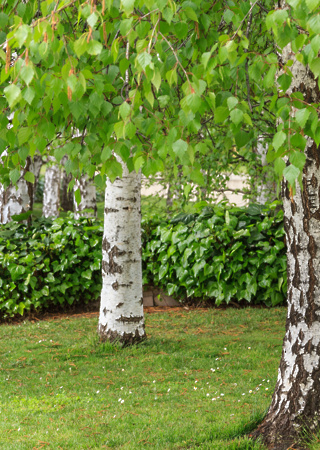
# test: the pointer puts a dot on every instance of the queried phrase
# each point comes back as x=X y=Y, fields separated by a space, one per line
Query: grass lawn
x=202 y=379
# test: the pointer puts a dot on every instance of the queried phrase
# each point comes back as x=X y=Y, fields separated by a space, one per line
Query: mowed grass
x=202 y=379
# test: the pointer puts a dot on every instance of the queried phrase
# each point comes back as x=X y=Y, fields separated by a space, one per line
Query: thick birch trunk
x=17 y=199
x=51 y=192
x=88 y=198
x=121 y=310
x=296 y=399
x=66 y=196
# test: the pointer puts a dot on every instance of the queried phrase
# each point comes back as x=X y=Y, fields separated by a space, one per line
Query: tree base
x=124 y=338
x=277 y=438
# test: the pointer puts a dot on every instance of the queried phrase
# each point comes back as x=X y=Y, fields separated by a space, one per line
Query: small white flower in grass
x=130 y=392
x=218 y=398
x=122 y=401
x=57 y=429
x=213 y=399
x=264 y=380
x=156 y=398
x=250 y=392
x=114 y=417
x=154 y=381
x=61 y=387
x=122 y=370
x=267 y=389
x=257 y=388
x=194 y=388
x=225 y=348
x=243 y=394
x=196 y=410
x=121 y=388
x=217 y=368
x=212 y=370
x=236 y=384
x=196 y=381
x=217 y=359
x=231 y=415
x=208 y=395
x=222 y=395
x=119 y=399
x=260 y=384
x=169 y=390
x=19 y=429
x=98 y=392
x=268 y=381
x=238 y=400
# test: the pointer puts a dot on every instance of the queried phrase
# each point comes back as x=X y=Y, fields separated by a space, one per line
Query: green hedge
x=51 y=263
x=222 y=254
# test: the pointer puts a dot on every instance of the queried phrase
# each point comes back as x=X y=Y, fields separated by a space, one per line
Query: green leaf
x=291 y=173
x=232 y=102
x=284 y=81
x=27 y=74
x=279 y=166
x=124 y=110
x=190 y=13
x=315 y=66
x=298 y=159
x=127 y=6
x=92 y=19
x=14 y=175
x=21 y=34
x=77 y=196
x=278 y=139
x=312 y=4
x=94 y=47
x=29 y=176
x=236 y=116
x=28 y=94
x=87 y=274
x=144 y=59
x=314 y=24
x=12 y=94
x=302 y=116
x=80 y=46
x=180 y=148
x=221 y=114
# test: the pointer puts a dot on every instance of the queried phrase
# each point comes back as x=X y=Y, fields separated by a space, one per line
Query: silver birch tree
x=88 y=204
x=51 y=192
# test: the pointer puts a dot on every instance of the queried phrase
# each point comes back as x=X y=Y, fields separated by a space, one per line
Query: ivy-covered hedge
x=225 y=254
x=50 y=263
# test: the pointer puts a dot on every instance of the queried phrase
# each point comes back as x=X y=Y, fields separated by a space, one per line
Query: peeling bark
x=296 y=399
x=51 y=193
x=121 y=310
x=88 y=198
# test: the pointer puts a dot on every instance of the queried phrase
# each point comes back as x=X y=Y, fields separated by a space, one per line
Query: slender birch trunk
x=66 y=196
x=296 y=399
x=266 y=190
x=121 y=310
x=37 y=164
x=88 y=198
x=17 y=199
x=51 y=192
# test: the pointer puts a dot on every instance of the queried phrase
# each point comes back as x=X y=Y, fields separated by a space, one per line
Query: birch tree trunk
x=266 y=190
x=66 y=196
x=37 y=164
x=88 y=198
x=51 y=192
x=17 y=199
x=296 y=399
x=121 y=310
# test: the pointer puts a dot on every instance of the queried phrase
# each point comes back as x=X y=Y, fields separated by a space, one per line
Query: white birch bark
x=296 y=399
x=88 y=205
x=266 y=185
x=18 y=199
x=51 y=192
x=121 y=310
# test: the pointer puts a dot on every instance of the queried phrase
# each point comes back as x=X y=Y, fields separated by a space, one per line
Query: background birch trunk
x=296 y=399
x=266 y=188
x=121 y=310
x=51 y=192
x=88 y=198
x=16 y=199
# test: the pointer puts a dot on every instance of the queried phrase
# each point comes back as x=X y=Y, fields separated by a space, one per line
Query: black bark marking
x=130 y=319
x=110 y=210
x=105 y=245
x=119 y=305
x=111 y=266
x=115 y=286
